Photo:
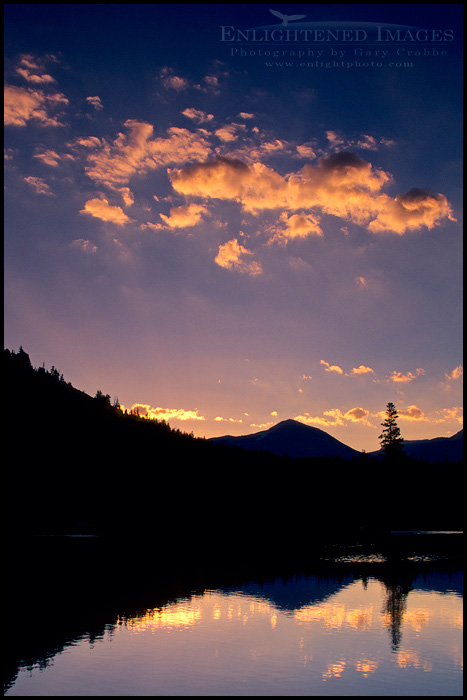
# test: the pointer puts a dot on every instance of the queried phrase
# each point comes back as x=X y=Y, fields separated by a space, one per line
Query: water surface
x=305 y=635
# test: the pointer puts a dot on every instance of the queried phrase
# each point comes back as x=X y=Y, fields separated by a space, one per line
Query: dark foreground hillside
x=76 y=464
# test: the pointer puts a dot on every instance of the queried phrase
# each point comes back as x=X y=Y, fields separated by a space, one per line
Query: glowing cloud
x=219 y=419
x=127 y=196
x=367 y=142
x=185 y=216
x=306 y=150
x=87 y=142
x=101 y=209
x=336 y=418
x=456 y=373
x=22 y=105
x=95 y=102
x=411 y=211
x=49 y=157
x=165 y=414
x=39 y=185
x=399 y=377
x=231 y=256
x=229 y=133
x=32 y=70
x=228 y=178
x=297 y=226
x=362 y=370
x=412 y=413
x=137 y=153
x=331 y=368
x=358 y=415
x=342 y=184
x=197 y=115
x=334 y=139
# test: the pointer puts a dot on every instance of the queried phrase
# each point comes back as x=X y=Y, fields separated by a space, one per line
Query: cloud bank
x=342 y=185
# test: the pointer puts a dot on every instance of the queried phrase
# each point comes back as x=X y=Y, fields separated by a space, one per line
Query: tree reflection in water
x=70 y=607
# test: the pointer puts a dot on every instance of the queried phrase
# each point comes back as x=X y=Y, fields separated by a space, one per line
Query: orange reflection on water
x=232 y=643
x=211 y=606
x=168 y=617
x=336 y=616
x=334 y=670
x=407 y=658
x=366 y=666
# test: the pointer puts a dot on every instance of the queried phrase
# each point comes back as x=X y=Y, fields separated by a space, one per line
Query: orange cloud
x=331 y=368
x=334 y=139
x=454 y=413
x=229 y=132
x=49 y=157
x=219 y=419
x=362 y=370
x=39 y=185
x=166 y=414
x=412 y=413
x=456 y=373
x=184 y=216
x=127 y=196
x=31 y=69
x=22 y=105
x=306 y=150
x=84 y=245
x=411 y=211
x=95 y=102
x=367 y=142
x=342 y=184
x=227 y=178
x=137 y=153
x=87 y=142
x=232 y=256
x=357 y=415
x=197 y=115
x=399 y=377
x=101 y=209
x=297 y=226
x=336 y=418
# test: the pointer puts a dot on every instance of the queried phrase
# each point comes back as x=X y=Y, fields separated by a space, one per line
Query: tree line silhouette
x=80 y=463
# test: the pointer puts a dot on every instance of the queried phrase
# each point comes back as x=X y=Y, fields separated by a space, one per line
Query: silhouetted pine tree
x=390 y=439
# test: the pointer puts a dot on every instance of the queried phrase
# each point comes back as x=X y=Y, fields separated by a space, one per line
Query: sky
x=225 y=218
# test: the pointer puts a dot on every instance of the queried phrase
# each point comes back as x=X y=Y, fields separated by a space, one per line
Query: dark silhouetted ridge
x=79 y=465
x=435 y=450
x=291 y=438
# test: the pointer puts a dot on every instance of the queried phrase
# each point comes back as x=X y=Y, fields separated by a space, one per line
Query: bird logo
x=286 y=18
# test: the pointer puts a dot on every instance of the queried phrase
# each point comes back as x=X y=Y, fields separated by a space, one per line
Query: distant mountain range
x=434 y=450
x=294 y=439
x=82 y=465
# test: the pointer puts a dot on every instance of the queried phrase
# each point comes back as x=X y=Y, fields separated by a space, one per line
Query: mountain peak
x=293 y=438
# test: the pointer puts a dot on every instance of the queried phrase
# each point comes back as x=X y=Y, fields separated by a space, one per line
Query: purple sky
x=232 y=233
